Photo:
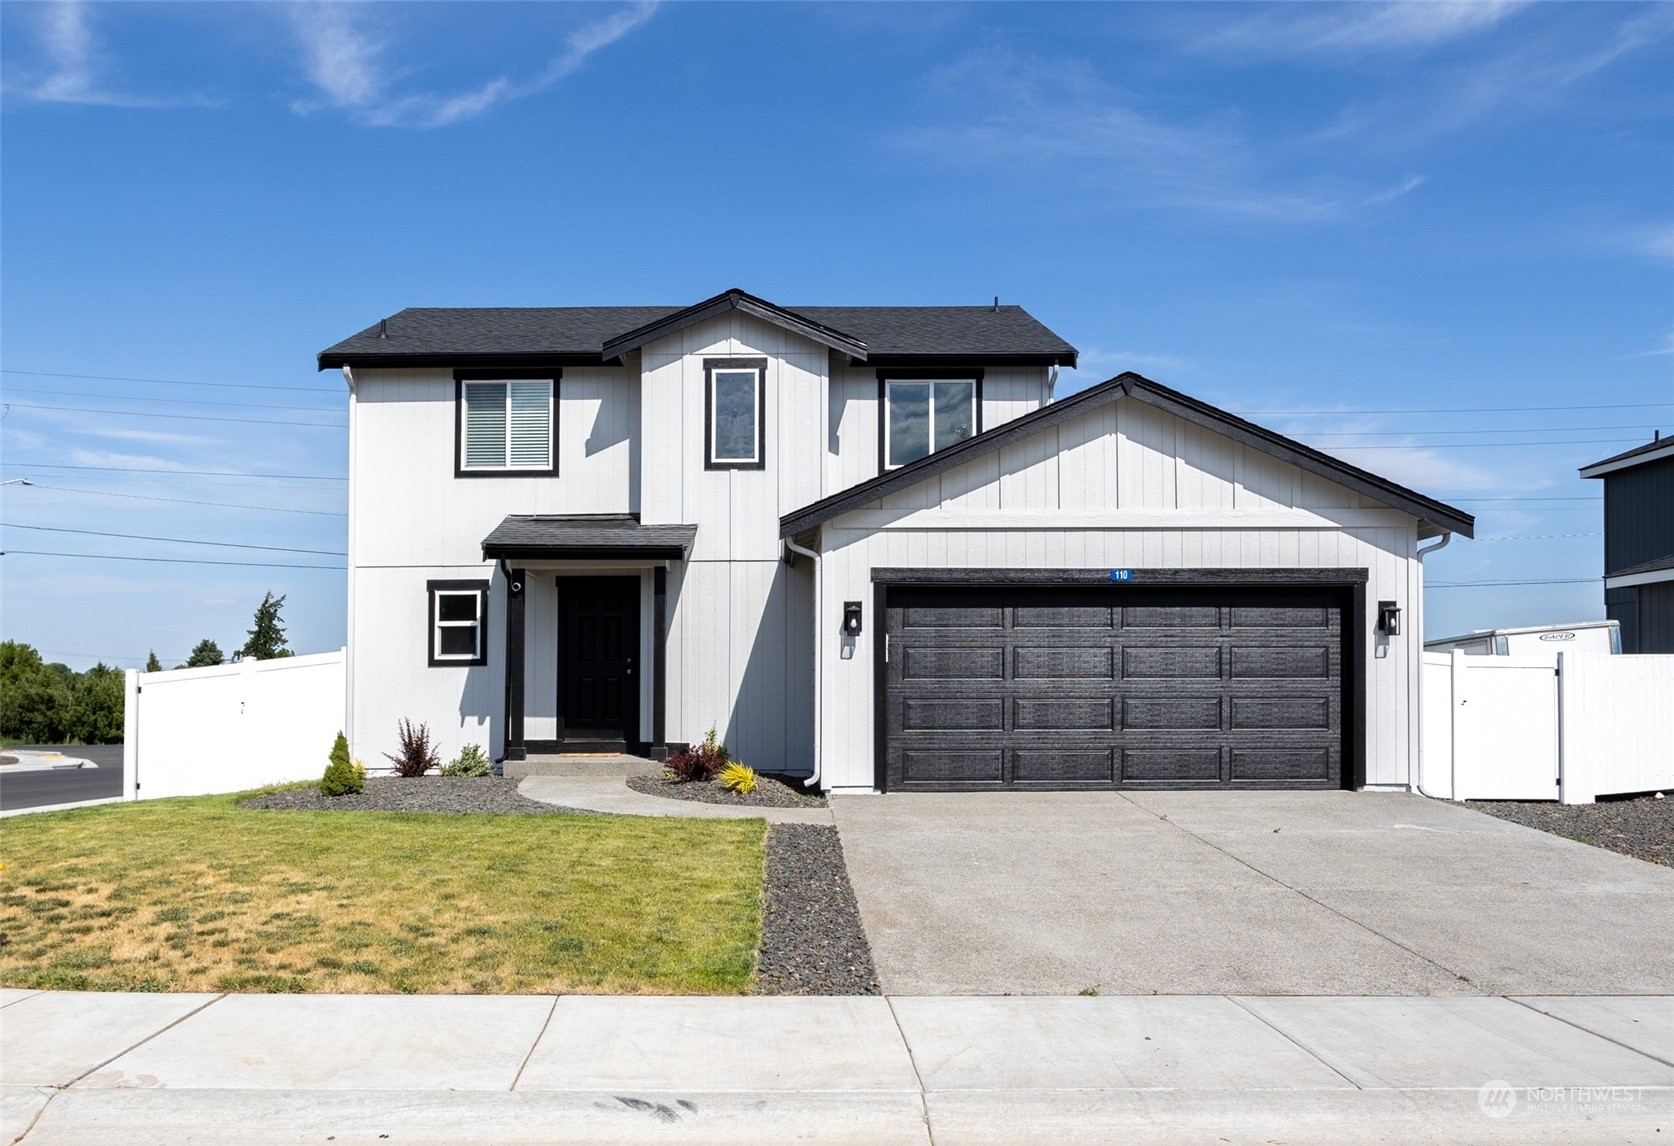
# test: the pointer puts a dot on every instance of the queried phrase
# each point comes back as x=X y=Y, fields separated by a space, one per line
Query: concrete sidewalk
x=247 y=1069
x=600 y=785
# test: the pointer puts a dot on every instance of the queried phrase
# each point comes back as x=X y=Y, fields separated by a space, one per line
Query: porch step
x=580 y=765
x=593 y=748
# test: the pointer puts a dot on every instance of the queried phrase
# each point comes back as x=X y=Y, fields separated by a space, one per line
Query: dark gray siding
x=1622 y=606
x=1656 y=617
x=1638 y=515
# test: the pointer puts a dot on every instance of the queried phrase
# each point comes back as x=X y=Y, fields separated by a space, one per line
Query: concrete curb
x=61 y=807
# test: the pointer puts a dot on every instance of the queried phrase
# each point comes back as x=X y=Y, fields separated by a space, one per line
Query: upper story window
x=923 y=415
x=735 y=413
x=506 y=425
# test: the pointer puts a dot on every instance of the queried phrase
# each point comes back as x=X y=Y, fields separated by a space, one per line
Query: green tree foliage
x=52 y=704
x=341 y=777
x=205 y=653
x=267 y=635
x=152 y=664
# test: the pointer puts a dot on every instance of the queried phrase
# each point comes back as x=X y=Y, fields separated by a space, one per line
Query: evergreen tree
x=341 y=776
x=152 y=664
x=205 y=653
x=96 y=712
x=267 y=636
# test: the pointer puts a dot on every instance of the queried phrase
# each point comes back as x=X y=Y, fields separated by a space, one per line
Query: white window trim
x=715 y=373
x=889 y=423
x=551 y=464
x=478 y=592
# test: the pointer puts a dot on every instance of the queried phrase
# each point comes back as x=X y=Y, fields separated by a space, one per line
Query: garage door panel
x=932 y=663
x=1171 y=765
x=1282 y=712
x=927 y=767
x=1195 y=713
x=966 y=714
x=1282 y=662
x=1277 y=764
x=1063 y=766
x=1062 y=663
x=1064 y=715
x=1141 y=662
x=1089 y=687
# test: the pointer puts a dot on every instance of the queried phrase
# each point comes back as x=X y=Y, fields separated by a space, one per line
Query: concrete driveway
x=1253 y=893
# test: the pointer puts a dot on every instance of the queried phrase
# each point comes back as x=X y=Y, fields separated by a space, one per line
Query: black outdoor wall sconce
x=851 y=618
x=1389 y=618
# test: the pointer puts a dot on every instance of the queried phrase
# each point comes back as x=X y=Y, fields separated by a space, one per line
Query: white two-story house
x=863 y=544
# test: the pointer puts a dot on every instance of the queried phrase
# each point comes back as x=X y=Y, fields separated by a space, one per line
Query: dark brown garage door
x=1113 y=687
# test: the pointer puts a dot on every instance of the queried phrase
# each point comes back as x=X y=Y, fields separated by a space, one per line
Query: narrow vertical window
x=734 y=403
x=506 y=425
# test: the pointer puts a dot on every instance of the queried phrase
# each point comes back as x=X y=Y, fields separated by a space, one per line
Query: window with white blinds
x=507 y=425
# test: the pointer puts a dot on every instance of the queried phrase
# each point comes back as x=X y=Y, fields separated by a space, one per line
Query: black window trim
x=951 y=374
x=710 y=366
x=432 y=589
x=509 y=374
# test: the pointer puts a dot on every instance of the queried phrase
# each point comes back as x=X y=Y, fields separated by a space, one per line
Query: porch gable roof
x=585 y=537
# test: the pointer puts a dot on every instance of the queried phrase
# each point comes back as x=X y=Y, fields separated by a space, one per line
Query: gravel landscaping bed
x=453 y=794
x=811 y=939
x=1642 y=827
x=771 y=792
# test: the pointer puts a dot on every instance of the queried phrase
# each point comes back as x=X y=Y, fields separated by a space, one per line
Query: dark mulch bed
x=451 y=794
x=1642 y=827
x=771 y=791
x=811 y=939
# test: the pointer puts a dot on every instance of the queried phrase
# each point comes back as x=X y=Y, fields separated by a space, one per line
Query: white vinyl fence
x=200 y=731
x=1564 y=726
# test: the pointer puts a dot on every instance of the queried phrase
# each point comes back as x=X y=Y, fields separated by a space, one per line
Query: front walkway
x=1293 y=893
x=598 y=784
x=256 y=1069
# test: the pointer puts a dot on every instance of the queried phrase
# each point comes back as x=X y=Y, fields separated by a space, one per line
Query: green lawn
x=200 y=895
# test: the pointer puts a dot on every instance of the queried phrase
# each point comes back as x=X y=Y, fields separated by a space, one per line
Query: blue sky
x=1385 y=215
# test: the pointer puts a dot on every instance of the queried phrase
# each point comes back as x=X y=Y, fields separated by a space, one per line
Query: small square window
x=735 y=413
x=506 y=425
x=458 y=622
x=922 y=416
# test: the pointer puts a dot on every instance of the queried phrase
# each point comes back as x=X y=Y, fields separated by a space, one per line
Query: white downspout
x=1422 y=554
x=819 y=663
x=349 y=644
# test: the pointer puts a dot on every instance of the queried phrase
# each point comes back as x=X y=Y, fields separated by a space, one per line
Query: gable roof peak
x=735 y=298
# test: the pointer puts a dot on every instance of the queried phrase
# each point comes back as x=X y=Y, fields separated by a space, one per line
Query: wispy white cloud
x=1004 y=110
x=1355 y=29
x=1095 y=364
x=82 y=457
x=70 y=63
x=1659 y=241
x=346 y=61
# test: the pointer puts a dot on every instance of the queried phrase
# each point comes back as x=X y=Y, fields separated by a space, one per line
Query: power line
x=1477 y=445
x=185 y=401
x=173 y=540
x=175 y=473
x=178 y=417
x=1463 y=409
x=1538 y=536
x=189 y=501
x=162 y=560
x=1484 y=430
x=1485 y=584
x=177 y=382
x=1595 y=499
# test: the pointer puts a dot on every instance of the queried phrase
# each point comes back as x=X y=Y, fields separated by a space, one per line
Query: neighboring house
x=1639 y=544
x=863 y=542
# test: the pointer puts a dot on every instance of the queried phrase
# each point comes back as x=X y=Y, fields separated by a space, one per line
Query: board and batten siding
x=1124 y=486
x=852 y=447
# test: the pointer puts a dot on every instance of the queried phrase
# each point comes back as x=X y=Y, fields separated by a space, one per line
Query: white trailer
x=1580 y=637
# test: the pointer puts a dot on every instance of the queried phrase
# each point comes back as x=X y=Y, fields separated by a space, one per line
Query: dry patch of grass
x=200 y=895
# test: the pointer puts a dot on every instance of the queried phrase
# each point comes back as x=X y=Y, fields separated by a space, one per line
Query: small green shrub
x=738 y=777
x=341 y=777
x=700 y=763
x=471 y=761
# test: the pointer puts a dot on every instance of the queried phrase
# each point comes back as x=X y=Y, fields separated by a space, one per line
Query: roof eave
x=1064 y=358
x=673 y=552
x=333 y=360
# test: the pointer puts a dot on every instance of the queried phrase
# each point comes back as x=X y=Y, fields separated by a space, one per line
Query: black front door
x=598 y=647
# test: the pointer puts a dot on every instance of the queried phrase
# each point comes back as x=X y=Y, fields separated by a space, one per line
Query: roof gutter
x=819 y=662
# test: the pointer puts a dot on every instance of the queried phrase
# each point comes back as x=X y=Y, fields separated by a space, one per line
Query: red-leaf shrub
x=418 y=755
x=700 y=763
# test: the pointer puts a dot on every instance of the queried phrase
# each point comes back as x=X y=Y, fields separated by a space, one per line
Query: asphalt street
x=64 y=785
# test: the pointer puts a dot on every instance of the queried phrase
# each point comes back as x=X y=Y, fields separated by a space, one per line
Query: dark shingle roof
x=1131 y=385
x=1657 y=443
x=1655 y=565
x=589 y=535
x=883 y=335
